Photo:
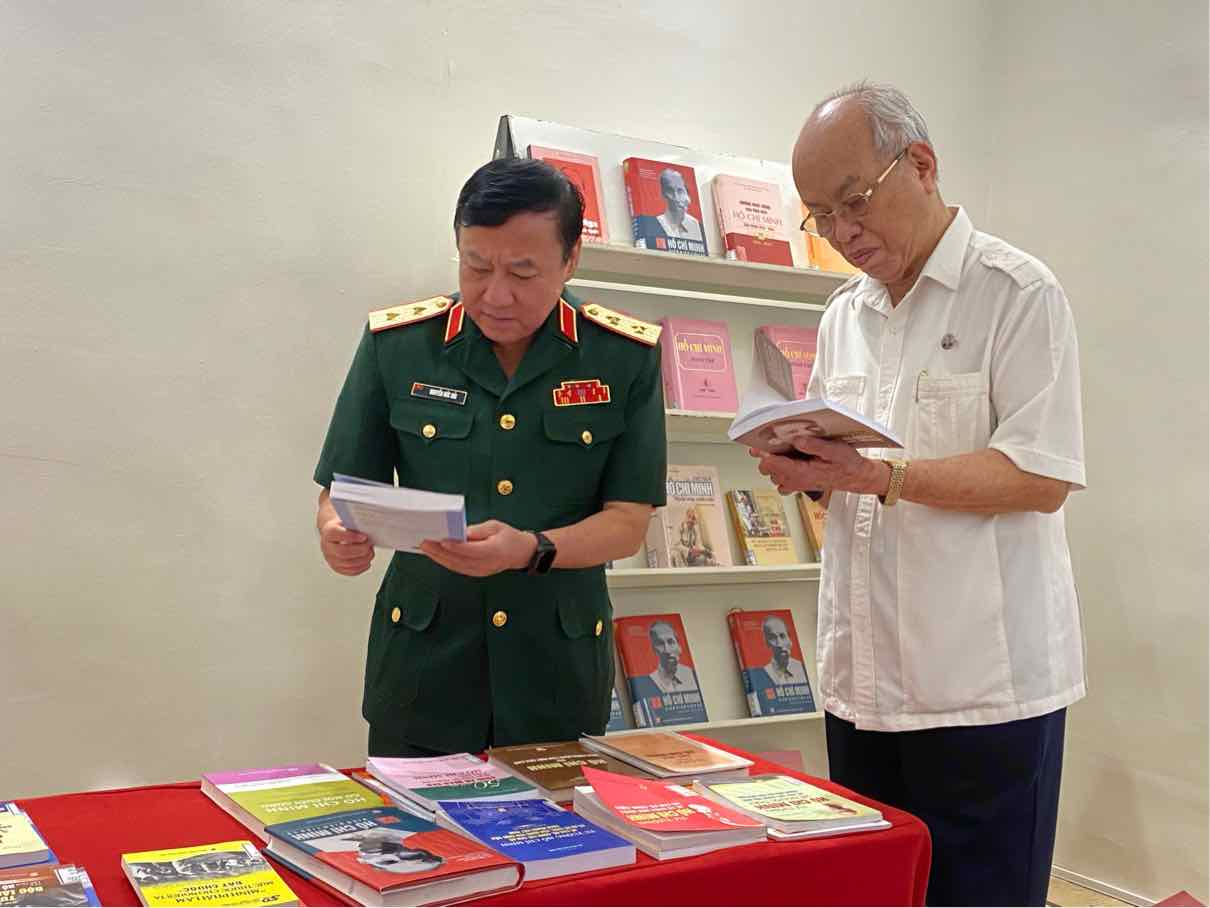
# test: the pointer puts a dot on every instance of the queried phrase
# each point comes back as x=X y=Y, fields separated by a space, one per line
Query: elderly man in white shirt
x=949 y=631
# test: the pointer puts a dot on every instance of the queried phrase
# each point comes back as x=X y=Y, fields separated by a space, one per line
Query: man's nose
x=497 y=291
x=844 y=230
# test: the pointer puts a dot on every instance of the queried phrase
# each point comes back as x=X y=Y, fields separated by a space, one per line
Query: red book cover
x=662 y=807
x=584 y=171
x=751 y=220
x=659 y=670
x=665 y=207
x=798 y=345
x=770 y=662
x=699 y=373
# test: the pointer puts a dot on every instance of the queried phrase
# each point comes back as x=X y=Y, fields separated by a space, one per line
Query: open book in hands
x=769 y=418
x=394 y=517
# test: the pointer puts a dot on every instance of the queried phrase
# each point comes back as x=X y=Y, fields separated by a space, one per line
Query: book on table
x=20 y=841
x=389 y=857
x=792 y=808
x=257 y=797
x=457 y=777
x=394 y=517
x=670 y=756
x=219 y=874
x=53 y=884
x=548 y=840
x=556 y=769
x=663 y=820
x=770 y=661
x=659 y=669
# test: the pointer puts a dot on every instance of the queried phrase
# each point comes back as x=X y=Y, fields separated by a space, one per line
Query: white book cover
x=394 y=517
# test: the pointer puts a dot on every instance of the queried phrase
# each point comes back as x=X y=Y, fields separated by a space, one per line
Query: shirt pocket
x=846 y=389
x=578 y=444
x=952 y=415
x=434 y=444
x=399 y=646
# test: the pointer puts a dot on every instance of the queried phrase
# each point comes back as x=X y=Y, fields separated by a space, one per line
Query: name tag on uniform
x=577 y=393
x=436 y=392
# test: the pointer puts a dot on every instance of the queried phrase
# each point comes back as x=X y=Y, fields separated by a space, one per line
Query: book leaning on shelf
x=658 y=665
x=770 y=662
x=794 y=344
x=814 y=518
x=690 y=531
x=388 y=857
x=752 y=220
x=792 y=808
x=584 y=171
x=225 y=873
x=257 y=797
x=761 y=526
x=665 y=208
x=696 y=365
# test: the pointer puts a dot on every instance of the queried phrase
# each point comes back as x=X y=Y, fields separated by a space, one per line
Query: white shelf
x=618 y=267
x=696 y=426
x=659 y=578
x=730 y=723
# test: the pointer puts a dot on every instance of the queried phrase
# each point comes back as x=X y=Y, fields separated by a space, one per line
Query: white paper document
x=394 y=517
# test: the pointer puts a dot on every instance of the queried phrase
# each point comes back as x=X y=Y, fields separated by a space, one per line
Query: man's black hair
x=508 y=186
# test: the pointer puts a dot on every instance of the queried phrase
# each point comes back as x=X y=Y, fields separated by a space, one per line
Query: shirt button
x=504 y=487
x=507 y=421
x=500 y=619
x=396 y=614
x=586 y=437
x=600 y=627
x=429 y=430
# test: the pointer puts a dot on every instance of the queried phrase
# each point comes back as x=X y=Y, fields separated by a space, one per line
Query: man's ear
x=923 y=161
x=573 y=261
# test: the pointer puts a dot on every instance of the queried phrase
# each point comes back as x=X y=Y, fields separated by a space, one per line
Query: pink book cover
x=584 y=171
x=699 y=373
x=662 y=807
x=798 y=346
x=751 y=220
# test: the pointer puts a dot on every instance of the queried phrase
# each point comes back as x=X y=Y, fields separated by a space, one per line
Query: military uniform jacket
x=454 y=661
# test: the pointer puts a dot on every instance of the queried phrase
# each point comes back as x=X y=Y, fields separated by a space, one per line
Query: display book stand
x=651 y=285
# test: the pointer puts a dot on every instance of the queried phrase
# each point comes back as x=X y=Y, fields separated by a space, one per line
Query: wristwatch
x=544 y=555
x=898 y=471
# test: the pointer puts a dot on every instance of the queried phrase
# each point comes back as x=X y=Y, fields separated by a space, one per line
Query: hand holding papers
x=397 y=518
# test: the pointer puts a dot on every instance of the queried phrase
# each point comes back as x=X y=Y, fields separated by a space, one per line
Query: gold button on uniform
x=507 y=421
x=429 y=430
x=600 y=627
x=586 y=437
x=396 y=614
x=500 y=619
x=504 y=487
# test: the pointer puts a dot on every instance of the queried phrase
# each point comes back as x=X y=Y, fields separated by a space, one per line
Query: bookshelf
x=738 y=575
x=741 y=722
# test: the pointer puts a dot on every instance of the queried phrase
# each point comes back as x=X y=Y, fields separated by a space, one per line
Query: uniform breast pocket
x=434 y=444
x=846 y=389
x=952 y=415
x=579 y=444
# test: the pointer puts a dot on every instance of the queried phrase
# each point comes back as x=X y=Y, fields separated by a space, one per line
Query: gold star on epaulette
x=643 y=332
x=409 y=313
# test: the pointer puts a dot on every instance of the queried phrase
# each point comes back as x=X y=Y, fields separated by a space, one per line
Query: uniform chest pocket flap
x=430 y=422
x=584 y=429
x=845 y=389
x=953 y=414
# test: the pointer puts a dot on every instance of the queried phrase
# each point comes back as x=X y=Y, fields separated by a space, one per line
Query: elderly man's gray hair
x=894 y=120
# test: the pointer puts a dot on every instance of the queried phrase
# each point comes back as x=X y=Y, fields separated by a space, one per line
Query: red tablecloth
x=887 y=867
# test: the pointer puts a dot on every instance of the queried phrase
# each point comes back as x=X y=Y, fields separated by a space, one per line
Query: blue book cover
x=549 y=841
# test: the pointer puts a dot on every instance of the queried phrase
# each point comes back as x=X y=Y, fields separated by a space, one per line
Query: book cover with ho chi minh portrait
x=665 y=206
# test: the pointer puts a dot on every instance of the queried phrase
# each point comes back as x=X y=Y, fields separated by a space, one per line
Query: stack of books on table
x=663 y=820
x=30 y=873
x=670 y=756
x=792 y=808
x=548 y=840
x=423 y=781
x=385 y=856
x=556 y=769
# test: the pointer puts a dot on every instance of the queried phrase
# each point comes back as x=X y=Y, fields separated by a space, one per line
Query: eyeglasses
x=854 y=208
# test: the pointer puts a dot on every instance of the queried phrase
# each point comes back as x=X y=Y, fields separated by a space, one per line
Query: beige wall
x=201 y=201
x=1097 y=163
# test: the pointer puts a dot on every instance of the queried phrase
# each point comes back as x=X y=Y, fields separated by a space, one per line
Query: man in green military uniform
x=548 y=415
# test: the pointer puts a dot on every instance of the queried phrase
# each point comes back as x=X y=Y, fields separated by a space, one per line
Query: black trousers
x=989 y=795
x=385 y=742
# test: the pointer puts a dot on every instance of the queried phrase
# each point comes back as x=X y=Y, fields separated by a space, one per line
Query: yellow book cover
x=814 y=515
x=19 y=839
x=226 y=873
x=789 y=800
x=761 y=526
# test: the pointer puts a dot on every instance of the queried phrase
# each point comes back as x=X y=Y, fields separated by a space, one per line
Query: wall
x=1097 y=163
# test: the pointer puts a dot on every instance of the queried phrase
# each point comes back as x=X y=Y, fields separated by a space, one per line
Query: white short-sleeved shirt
x=930 y=617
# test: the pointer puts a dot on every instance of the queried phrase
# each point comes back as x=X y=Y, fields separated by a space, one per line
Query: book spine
x=630 y=177
x=753 y=698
